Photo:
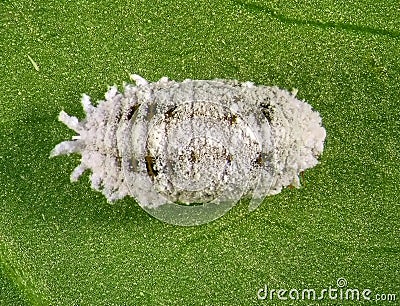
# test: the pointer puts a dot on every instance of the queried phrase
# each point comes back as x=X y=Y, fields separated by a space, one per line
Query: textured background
x=62 y=244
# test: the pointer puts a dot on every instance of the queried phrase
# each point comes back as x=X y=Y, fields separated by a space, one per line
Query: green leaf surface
x=63 y=244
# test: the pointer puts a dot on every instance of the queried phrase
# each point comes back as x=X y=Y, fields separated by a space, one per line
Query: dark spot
x=170 y=113
x=303 y=179
x=259 y=160
x=150 y=165
x=229 y=159
x=267 y=110
x=263 y=159
x=232 y=118
x=193 y=157
x=132 y=111
x=236 y=99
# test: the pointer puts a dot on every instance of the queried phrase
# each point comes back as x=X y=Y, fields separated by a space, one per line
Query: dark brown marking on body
x=132 y=111
x=150 y=166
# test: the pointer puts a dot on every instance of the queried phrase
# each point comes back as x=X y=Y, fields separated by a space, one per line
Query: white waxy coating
x=194 y=142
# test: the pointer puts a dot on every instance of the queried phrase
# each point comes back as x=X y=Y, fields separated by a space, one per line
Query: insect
x=189 y=151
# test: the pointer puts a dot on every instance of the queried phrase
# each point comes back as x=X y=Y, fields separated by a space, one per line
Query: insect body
x=171 y=145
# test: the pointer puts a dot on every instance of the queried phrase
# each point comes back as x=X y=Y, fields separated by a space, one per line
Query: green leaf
x=63 y=244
